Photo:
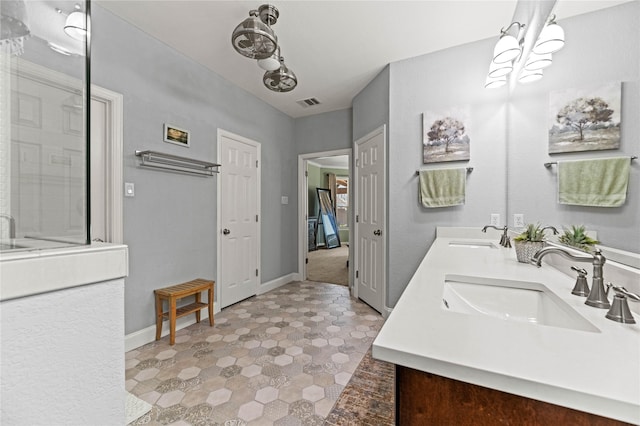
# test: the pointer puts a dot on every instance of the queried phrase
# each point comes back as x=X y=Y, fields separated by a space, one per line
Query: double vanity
x=480 y=338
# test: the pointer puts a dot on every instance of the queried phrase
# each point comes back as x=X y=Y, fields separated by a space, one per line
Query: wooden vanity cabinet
x=427 y=399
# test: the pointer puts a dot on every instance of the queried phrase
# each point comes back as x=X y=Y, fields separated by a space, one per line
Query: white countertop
x=596 y=372
x=26 y=273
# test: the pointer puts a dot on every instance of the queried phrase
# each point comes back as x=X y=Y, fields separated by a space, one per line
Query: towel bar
x=160 y=160
x=547 y=165
x=469 y=170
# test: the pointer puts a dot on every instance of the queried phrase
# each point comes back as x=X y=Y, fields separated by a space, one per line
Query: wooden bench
x=172 y=294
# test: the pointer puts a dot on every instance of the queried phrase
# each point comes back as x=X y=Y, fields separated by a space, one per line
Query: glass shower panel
x=44 y=131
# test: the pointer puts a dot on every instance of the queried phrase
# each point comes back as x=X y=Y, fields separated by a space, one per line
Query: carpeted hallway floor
x=329 y=265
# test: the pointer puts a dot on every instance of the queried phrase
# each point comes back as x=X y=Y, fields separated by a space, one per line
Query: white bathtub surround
x=588 y=370
x=62 y=345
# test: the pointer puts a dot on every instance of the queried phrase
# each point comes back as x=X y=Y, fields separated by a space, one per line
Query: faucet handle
x=581 y=287
x=620 y=311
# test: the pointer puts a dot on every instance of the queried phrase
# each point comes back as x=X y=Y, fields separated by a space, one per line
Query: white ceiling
x=334 y=47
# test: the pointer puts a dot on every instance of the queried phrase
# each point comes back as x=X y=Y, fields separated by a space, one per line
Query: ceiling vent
x=309 y=102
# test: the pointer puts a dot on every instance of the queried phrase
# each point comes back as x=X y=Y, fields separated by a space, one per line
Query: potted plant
x=578 y=238
x=529 y=242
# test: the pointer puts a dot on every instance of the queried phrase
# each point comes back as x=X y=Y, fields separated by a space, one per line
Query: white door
x=370 y=218
x=239 y=217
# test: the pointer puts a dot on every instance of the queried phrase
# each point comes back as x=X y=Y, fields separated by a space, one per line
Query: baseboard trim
x=386 y=312
x=278 y=282
x=147 y=335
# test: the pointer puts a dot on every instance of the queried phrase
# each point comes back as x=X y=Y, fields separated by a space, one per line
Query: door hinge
x=357 y=273
x=306 y=173
x=306 y=260
x=256 y=164
x=256 y=218
x=256 y=272
x=357 y=218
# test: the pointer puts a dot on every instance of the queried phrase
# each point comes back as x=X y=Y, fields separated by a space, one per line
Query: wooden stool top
x=184 y=289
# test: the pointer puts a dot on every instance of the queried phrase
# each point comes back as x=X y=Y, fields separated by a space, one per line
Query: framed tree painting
x=585 y=119
x=445 y=135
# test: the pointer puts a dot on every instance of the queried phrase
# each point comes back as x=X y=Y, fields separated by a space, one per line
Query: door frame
x=113 y=179
x=303 y=203
x=258 y=146
x=385 y=311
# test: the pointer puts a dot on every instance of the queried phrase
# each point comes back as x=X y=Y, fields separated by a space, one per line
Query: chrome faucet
x=12 y=224
x=553 y=228
x=504 y=239
x=597 y=296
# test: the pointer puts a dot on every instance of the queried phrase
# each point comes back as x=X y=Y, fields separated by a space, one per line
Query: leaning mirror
x=327 y=218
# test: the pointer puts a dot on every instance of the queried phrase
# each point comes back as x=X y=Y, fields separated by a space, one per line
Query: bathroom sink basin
x=472 y=244
x=520 y=301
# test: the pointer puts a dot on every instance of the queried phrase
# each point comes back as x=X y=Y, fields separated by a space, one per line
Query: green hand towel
x=442 y=187
x=600 y=183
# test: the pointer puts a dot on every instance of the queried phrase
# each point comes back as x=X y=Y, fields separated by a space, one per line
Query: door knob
x=377 y=232
x=225 y=231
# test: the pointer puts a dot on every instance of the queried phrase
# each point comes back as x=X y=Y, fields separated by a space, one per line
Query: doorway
x=325 y=202
x=239 y=218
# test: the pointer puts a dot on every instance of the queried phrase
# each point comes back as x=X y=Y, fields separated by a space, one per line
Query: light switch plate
x=129 y=189
x=284 y=199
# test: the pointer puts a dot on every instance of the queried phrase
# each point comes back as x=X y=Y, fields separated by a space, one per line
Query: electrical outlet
x=495 y=219
x=518 y=220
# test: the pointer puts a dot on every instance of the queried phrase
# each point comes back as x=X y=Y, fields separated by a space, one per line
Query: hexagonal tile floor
x=280 y=358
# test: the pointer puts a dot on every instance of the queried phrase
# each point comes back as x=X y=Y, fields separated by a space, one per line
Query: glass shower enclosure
x=44 y=124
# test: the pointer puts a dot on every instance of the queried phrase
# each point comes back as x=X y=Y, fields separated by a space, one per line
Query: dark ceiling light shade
x=280 y=80
x=254 y=37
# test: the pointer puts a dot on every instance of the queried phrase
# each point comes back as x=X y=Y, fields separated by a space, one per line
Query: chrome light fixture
x=76 y=24
x=508 y=47
x=271 y=63
x=280 y=80
x=14 y=29
x=254 y=37
x=551 y=38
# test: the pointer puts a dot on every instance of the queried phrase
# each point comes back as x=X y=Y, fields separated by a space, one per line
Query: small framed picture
x=173 y=134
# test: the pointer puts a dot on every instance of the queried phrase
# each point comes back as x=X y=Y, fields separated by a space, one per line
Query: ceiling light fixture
x=551 y=38
x=527 y=76
x=254 y=37
x=76 y=24
x=13 y=25
x=271 y=63
x=280 y=80
x=509 y=51
x=508 y=47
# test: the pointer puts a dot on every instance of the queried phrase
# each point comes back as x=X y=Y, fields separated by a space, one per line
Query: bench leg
x=198 y=294
x=172 y=320
x=158 y=317
x=210 y=305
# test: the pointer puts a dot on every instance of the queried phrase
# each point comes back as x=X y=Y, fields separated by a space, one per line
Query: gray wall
x=170 y=225
x=449 y=78
x=601 y=47
x=323 y=132
x=508 y=136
